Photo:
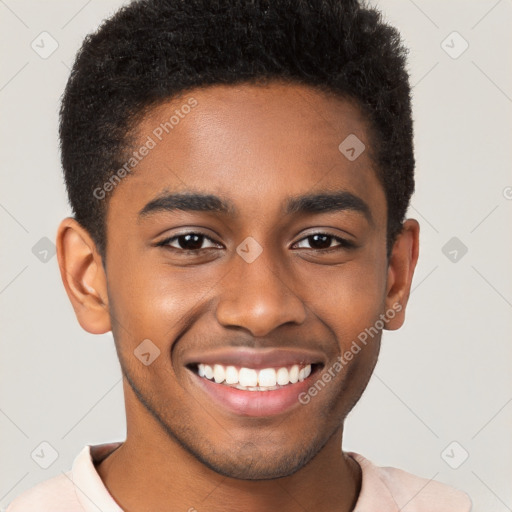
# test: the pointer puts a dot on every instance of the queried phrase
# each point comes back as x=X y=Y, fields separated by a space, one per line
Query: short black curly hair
x=153 y=50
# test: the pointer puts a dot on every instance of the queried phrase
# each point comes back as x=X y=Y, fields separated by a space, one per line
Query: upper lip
x=256 y=358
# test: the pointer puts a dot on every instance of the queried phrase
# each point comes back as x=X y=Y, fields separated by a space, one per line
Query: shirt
x=383 y=489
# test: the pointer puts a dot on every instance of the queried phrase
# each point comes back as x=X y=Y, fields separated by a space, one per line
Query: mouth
x=248 y=383
x=252 y=379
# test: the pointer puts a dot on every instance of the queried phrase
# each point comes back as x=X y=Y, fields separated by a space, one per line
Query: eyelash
x=343 y=243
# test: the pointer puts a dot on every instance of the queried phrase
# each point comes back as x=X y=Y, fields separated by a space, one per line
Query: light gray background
x=444 y=377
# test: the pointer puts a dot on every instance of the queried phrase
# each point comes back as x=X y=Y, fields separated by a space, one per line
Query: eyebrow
x=322 y=202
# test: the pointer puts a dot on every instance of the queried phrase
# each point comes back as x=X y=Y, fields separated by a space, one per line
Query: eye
x=323 y=242
x=191 y=242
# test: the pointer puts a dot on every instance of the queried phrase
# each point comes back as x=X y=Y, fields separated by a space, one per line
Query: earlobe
x=83 y=276
x=402 y=263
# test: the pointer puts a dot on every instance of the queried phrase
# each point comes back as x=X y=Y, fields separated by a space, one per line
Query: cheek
x=155 y=302
x=348 y=298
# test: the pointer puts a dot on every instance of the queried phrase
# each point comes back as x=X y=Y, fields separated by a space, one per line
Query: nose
x=256 y=298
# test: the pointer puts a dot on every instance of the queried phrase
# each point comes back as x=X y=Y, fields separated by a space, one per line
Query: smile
x=252 y=392
x=250 y=379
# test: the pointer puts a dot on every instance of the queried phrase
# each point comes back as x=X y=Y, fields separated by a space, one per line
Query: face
x=285 y=259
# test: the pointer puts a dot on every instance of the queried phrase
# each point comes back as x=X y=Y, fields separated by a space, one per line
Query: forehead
x=255 y=144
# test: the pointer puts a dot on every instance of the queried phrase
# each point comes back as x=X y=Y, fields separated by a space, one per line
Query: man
x=239 y=173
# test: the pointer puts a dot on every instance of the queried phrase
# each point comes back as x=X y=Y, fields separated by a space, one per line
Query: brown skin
x=257 y=146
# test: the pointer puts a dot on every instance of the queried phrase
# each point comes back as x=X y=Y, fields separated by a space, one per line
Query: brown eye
x=188 y=242
x=323 y=242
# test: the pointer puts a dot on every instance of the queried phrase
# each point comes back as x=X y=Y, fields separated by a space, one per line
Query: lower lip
x=255 y=403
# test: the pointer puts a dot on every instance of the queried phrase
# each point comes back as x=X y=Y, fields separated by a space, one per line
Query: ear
x=402 y=262
x=83 y=276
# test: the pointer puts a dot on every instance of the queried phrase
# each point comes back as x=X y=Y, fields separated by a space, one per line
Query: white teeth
x=247 y=377
x=208 y=372
x=294 y=374
x=283 y=376
x=218 y=373
x=231 y=375
x=254 y=380
x=267 y=377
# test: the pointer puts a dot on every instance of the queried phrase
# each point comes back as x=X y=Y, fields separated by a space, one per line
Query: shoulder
x=56 y=494
x=403 y=488
x=79 y=489
x=423 y=494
